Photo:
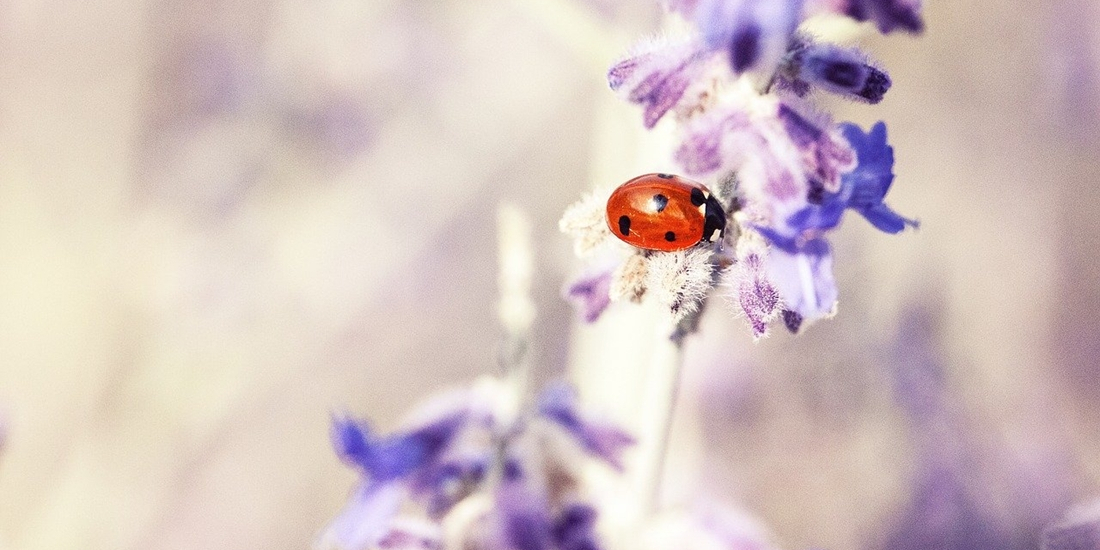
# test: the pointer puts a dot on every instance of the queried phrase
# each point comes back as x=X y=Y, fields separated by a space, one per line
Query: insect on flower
x=665 y=212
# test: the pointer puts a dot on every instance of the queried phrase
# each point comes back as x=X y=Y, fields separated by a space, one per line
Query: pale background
x=221 y=222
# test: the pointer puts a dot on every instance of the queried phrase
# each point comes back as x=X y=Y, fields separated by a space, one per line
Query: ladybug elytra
x=665 y=212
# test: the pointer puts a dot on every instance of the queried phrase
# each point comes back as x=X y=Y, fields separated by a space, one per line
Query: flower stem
x=516 y=308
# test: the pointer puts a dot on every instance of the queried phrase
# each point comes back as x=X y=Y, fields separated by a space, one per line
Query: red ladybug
x=664 y=212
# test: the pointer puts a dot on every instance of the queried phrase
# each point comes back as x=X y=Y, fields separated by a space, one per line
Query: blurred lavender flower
x=602 y=440
x=888 y=15
x=943 y=515
x=962 y=473
x=796 y=172
x=591 y=294
x=466 y=443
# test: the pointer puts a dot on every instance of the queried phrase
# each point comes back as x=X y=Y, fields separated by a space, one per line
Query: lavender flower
x=753 y=33
x=888 y=15
x=591 y=295
x=847 y=72
x=657 y=75
x=863 y=190
x=558 y=402
x=449 y=454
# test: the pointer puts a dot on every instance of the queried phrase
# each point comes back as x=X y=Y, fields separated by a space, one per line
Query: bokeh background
x=221 y=222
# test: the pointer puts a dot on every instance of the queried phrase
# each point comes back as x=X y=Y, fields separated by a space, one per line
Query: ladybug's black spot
x=665 y=176
x=670 y=236
x=624 y=225
x=697 y=196
x=660 y=202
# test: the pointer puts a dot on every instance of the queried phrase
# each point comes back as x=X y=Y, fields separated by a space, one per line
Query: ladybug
x=665 y=212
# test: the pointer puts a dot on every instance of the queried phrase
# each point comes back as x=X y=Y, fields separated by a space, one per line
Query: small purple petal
x=558 y=403
x=700 y=152
x=657 y=77
x=756 y=296
x=350 y=438
x=620 y=72
x=591 y=295
x=803 y=133
x=805 y=279
x=869 y=182
x=889 y=14
x=443 y=484
x=707 y=138
x=395 y=456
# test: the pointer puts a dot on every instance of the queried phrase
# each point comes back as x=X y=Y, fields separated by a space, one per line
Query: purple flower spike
x=843 y=71
x=591 y=295
x=558 y=402
x=657 y=77
x=397 y=456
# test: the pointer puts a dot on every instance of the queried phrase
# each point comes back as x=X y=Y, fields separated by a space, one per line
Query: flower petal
x=591 y=295
x=657 y=75
x=558 y=402
x=805 y=279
